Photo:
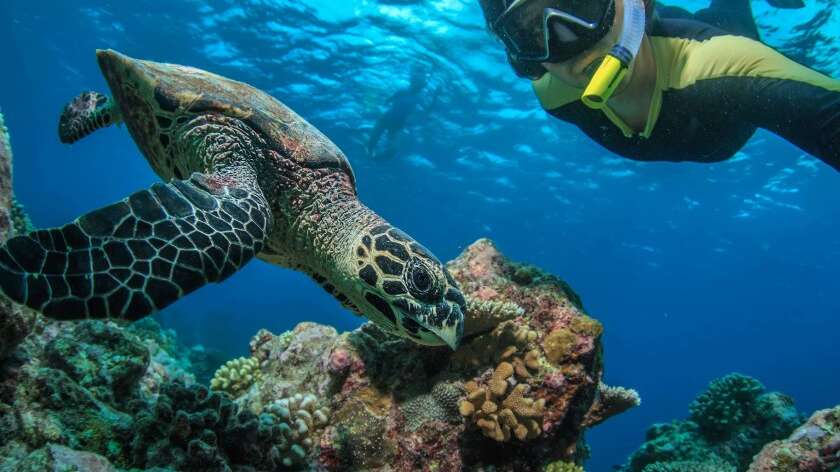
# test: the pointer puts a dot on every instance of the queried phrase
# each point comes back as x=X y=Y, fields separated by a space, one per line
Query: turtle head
x=406 y=290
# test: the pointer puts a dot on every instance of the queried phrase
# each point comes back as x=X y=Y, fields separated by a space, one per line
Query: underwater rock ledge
x=517 y=395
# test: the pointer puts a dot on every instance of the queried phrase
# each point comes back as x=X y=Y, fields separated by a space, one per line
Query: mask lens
x=523 y=28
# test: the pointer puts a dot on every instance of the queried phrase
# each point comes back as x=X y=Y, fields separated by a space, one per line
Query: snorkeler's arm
x=769 y=90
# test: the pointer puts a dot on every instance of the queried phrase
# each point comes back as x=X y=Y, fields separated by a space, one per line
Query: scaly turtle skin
x=247 y=177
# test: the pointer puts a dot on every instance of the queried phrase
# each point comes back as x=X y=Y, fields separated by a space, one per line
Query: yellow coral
x=586 y=326
x=563 y=466
x=558 y=345
x=506 y=339
x=237 y=376
x=501 y=412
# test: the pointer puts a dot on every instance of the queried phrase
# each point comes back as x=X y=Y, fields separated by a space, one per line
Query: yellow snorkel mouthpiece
x=614 y=67
x=603 y=84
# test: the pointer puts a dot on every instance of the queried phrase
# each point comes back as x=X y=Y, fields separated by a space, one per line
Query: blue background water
x=695 y=270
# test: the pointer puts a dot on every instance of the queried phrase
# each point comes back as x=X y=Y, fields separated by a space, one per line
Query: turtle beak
x=451 y=334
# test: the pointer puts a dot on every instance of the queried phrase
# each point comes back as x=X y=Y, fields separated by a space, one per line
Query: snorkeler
x=652 y=88
x=402 y=104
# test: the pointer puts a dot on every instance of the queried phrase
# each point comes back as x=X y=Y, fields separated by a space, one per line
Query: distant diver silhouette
x=402 y=105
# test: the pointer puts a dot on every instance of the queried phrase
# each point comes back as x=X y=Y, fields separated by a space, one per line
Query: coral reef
x=730 y=422
x=513 y=398
x=237 y=376
x=812 y=447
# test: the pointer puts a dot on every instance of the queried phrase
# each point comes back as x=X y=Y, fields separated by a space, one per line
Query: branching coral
x=725 y=404
x=501 y=411
x=484 y=315
x=611 y=401
x=237 y=376
x=300 y=417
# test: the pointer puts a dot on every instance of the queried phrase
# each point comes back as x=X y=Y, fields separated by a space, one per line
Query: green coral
x=563 y=466
x=730 y=422
x=237 y=376
x=725 y=404
x=299 y=417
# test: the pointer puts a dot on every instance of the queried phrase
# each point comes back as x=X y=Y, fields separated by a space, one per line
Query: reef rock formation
x=15 y=321
x=516 y=395
x=730 y=421
x=813 y=447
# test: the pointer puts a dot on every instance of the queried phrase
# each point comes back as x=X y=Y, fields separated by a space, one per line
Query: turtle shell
x=177 y=89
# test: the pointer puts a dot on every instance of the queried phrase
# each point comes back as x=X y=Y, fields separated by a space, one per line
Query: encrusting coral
x=237 y=376
x=441 y=404
x=300 y=417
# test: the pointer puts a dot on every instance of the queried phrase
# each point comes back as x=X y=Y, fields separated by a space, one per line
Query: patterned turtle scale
x=246 y=177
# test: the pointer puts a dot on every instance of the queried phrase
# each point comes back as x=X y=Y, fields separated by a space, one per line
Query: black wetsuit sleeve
x=805 y=114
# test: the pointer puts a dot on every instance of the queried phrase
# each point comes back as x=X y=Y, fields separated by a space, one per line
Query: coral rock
x=812 y=447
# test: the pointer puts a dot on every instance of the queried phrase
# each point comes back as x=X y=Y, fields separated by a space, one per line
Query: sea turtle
x=247 y=177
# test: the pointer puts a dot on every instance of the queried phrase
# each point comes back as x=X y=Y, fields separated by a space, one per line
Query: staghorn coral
x=299 y=417
x=237 y=376
x=611 y=401
x=484 y=315
x=563 y=466
x=502 y=412
x=441 y=404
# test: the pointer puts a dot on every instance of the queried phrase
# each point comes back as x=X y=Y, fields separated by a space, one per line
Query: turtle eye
x=421 y=281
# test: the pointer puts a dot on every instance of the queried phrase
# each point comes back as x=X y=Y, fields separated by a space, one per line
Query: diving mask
x=552 y=30
x=536 y=31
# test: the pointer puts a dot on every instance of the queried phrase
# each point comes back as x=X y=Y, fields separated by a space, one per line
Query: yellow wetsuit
x=713 y=89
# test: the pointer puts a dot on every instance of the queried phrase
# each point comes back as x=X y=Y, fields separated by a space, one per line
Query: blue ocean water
x=695 y=270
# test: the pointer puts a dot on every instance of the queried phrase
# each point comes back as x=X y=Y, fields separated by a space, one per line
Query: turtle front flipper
x=85 y=114
x=134 y=257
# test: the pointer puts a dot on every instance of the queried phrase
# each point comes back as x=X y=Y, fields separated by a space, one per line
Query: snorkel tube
x=614 y=67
